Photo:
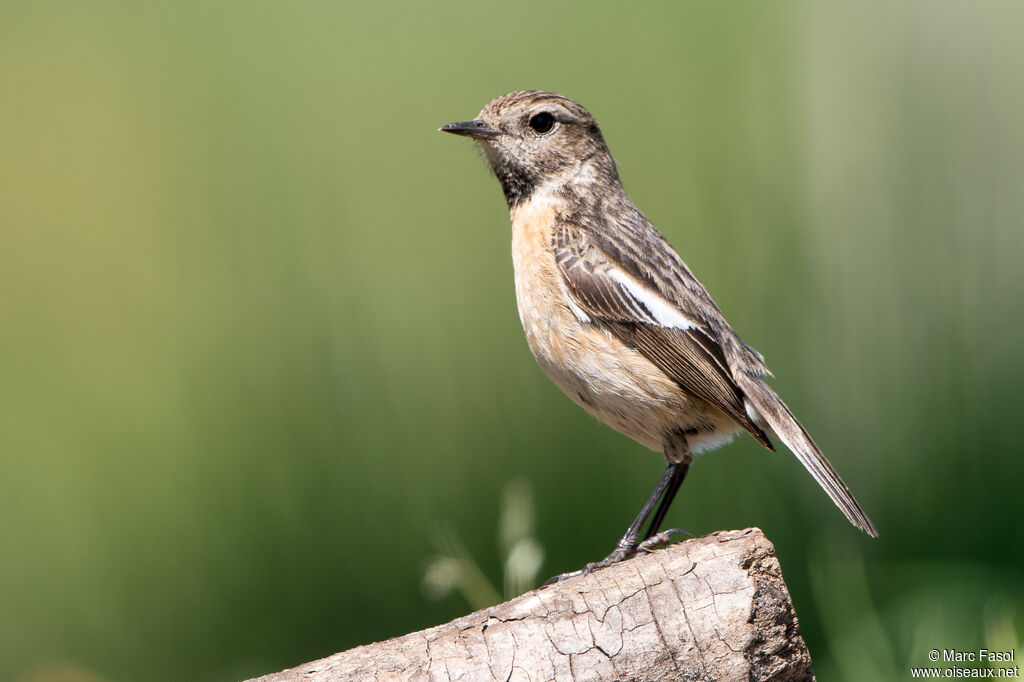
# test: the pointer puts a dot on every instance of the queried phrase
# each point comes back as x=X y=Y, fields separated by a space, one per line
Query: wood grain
x=711 y=608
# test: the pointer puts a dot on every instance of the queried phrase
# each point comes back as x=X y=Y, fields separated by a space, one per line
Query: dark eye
x=542 y=122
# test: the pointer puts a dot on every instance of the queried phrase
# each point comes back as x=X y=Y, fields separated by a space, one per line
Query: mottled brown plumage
x=613 y=315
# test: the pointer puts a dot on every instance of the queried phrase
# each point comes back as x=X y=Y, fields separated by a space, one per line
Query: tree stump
x=711 y=608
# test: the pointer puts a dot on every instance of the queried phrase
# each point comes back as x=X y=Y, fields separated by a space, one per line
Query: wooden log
x=711 y=608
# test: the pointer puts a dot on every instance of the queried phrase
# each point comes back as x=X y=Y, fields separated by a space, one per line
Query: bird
x=616 y=319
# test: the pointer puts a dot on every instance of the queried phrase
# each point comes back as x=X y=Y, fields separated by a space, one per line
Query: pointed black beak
x=476 y=129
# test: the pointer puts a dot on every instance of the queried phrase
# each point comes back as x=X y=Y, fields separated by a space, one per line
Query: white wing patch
x=664 y=313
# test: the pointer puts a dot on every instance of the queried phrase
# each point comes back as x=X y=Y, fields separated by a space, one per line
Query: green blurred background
x=258 y=332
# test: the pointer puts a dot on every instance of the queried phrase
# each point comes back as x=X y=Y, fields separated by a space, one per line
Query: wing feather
x=629 y=279
x=676 y=341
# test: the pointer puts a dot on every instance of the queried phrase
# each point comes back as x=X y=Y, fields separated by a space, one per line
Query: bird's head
x=533 y=138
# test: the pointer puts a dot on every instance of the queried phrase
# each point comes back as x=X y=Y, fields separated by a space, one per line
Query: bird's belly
x=612 y=381
x=607 y=378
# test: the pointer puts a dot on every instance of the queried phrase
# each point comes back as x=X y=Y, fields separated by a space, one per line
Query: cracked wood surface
x=711 y=608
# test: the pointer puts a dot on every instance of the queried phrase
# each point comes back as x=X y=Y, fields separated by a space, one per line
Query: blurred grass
x=258 y=333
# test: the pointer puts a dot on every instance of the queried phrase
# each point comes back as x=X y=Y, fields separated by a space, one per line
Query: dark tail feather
x=788 y=429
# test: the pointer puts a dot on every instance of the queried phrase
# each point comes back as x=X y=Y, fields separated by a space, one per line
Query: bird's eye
x=542 y=122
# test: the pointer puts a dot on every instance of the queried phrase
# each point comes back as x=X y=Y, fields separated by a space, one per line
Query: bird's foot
x=621 y=552
x=659 y=540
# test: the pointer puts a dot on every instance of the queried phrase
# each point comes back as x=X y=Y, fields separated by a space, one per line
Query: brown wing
x=688 y=351
x=635 y=245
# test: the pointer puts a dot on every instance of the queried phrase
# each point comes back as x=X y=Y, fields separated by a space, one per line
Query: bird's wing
x=632 y=281
x=677 y=339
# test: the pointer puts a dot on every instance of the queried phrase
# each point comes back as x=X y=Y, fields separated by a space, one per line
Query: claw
x=659 y=540
x=621 y=553
x=627 y=547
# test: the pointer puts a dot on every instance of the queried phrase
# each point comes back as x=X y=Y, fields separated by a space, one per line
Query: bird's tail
x=778 y=417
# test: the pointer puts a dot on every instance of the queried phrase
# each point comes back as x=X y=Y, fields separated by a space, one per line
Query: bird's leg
x=627 y=545
x=673 y=487
x=652 y=538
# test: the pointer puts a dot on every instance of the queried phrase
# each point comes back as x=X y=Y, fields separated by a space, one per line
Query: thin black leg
x=632 y=535
x=670 y=492
x=627 y=545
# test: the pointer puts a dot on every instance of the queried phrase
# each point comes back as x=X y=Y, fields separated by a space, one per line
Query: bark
x=711 y=608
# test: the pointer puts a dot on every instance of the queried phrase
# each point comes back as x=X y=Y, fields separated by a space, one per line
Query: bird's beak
x=478 y=130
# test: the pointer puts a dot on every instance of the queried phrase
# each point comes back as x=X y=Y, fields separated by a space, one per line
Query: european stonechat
x=615 y=317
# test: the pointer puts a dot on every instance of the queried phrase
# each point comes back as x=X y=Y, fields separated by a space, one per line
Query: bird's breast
x=545 y=307
x=539 y=289
x=613 y=382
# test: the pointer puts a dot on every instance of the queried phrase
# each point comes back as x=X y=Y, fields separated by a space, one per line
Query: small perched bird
x=615 y=317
